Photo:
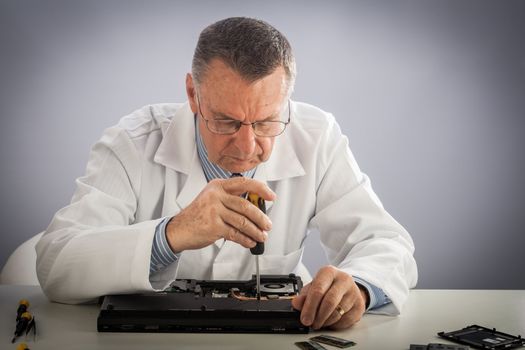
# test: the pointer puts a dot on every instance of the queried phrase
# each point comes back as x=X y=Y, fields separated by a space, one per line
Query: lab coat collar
x=178 y=151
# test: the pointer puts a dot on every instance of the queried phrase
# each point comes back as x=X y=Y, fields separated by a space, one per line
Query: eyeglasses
x=267 y=128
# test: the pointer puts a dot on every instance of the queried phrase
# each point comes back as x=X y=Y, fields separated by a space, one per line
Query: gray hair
x=251 y=47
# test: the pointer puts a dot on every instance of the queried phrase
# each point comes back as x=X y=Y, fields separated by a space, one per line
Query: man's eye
x=226 y=122
x=266 y=126
x=225 y=126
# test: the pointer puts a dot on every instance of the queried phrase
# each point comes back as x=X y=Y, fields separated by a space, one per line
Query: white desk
x=426 y=313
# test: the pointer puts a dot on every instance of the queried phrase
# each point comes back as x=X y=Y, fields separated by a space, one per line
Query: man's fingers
x=244 y=225
x=240 y=185
x=318 y=287
x=232 y=234
x=354 y=305
x=248 y=210
x=298 y=301
x=219 y=212
x=340 y=310
x=333 y=302
x=351 y=317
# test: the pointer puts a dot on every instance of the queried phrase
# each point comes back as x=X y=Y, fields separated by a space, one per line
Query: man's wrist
x=161 y=253
x=376 y=295
x=364 y=294
x=174 y=235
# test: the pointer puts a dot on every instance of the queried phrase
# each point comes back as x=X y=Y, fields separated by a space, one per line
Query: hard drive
x=207 y=306
x=483 y=338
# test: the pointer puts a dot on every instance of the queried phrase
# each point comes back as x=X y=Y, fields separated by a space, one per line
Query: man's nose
x=245 y=139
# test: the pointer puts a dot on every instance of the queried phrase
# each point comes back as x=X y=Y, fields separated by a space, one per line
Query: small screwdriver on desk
x=259 y=247
x=25 y=322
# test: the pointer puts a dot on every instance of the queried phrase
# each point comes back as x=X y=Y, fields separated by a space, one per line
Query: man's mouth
x=242 y=160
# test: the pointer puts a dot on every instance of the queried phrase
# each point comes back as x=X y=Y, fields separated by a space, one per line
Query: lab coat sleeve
x=93 y=246
x=357 y=233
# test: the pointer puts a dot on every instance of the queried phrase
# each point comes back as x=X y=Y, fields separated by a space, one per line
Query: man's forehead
x=224 y=90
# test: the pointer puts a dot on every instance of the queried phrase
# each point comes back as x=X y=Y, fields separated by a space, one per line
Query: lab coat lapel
x=194 y=184
x=282 y=164
x=178 y=152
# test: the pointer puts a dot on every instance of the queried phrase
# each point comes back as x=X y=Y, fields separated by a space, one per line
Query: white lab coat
x=147 y=167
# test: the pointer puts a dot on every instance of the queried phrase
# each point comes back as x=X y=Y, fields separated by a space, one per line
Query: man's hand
x=219 y=212
x=331 y=300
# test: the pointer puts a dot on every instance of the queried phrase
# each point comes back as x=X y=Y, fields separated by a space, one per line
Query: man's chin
x=239 y=166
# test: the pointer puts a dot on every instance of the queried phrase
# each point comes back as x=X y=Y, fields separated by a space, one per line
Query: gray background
x=430 y=93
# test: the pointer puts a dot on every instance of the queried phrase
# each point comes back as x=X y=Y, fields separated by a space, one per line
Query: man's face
x=223 y=94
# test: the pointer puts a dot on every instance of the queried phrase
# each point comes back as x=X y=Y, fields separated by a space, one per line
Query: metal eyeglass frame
x=240 y=124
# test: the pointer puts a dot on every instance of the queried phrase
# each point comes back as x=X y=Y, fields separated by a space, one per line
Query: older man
x=158 y=200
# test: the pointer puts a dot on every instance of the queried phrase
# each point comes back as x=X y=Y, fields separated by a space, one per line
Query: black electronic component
x=335 y=341
x=208 y=306
x=480 y=337
x=309 y=345
x=436 y=346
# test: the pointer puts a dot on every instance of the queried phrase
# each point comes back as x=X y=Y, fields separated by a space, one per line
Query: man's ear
x=191 y=92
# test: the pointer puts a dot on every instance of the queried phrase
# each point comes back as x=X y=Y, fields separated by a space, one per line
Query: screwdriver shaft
x=259 y=246
x=258 y=276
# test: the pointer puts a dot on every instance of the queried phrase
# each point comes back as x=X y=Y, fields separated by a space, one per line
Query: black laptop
x=226 y=306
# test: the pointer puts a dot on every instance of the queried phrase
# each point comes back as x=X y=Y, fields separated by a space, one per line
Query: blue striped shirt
x=162 y=255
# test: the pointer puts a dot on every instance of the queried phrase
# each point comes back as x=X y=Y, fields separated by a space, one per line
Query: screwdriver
x=259 y=246
x=25 y=322
x=23 y=304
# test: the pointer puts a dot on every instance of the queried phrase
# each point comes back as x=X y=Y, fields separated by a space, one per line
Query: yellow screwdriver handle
x=261 y=204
